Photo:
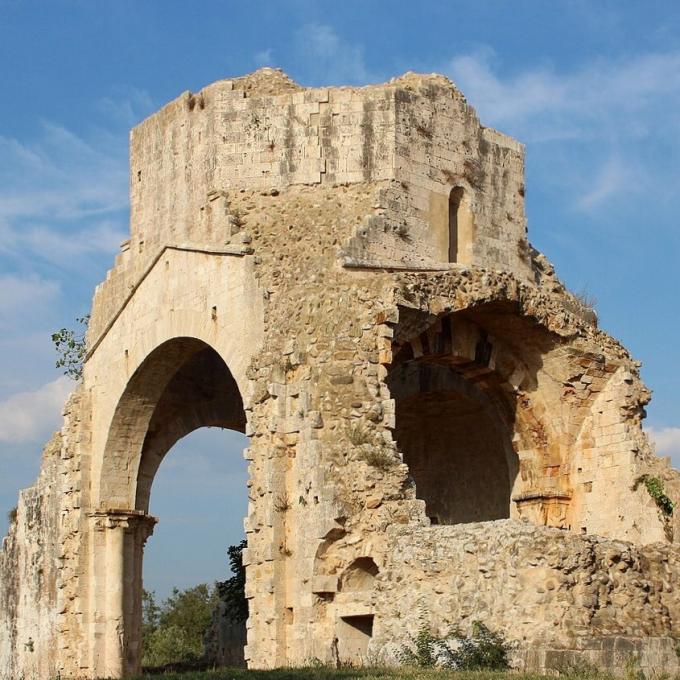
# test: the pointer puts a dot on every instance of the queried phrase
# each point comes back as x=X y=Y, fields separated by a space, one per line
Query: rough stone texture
x=592 y=590
x=344 y=275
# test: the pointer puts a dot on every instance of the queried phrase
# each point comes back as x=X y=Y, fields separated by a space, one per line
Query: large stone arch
x=182 y=385
x=151 y=378
x=210 y=297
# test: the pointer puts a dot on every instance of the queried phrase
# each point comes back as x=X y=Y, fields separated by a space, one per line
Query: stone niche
x=438 y=431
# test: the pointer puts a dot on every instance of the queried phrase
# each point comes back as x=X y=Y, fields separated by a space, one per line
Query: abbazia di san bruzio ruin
x=437 y=427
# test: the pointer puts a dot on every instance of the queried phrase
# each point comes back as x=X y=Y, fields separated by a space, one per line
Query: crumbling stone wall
x=290 y=274
x=603 y=597
x=29 y=562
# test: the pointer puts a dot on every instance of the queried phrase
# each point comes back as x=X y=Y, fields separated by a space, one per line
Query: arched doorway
x=181 y=386
x=455 y=418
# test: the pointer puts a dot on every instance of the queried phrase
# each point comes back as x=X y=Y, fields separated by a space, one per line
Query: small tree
x=233 y=591
x=150 y=614
x=173 y=631
x=70 y=346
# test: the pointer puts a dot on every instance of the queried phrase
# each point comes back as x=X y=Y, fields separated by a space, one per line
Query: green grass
x=363 y=674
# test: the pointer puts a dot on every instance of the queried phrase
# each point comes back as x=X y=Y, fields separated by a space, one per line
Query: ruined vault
x=438 y=429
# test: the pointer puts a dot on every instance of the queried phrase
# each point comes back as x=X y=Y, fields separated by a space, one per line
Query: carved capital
x=128 y=520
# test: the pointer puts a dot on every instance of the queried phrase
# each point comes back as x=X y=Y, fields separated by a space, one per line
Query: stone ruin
x=439 y=432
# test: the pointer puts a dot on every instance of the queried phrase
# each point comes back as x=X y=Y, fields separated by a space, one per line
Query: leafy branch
x=70 y=347
x=233 y=590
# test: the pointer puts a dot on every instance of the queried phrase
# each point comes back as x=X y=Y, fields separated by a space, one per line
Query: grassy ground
x=362 y=674
x=332 y=674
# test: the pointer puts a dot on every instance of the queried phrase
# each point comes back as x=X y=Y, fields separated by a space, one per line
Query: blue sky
x=591 y=87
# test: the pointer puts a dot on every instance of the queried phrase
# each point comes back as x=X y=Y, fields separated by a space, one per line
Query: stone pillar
x=115 y=587
x=141 y=529
x=119 y=601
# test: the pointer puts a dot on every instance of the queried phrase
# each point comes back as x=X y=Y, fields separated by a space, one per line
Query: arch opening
x=458 y=450
x=359 y=576
x=201 y=393
x=199 y=495
x=182 y=386
x=460 y=227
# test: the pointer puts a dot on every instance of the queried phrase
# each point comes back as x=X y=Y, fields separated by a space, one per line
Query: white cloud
x=666 y=440
x=577 y=103
x=61 y=246
x=264 y=58
x=33 y=416
x=19 y=293
x=331 y=60
x=26 y=302
x=603 y=115
x=128 y=106
x=63 y=196
x=612 y=176
x=61 y=176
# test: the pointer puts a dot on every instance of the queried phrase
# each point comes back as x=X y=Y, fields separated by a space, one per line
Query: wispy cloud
x=127 y=106
x=600 y=97
x=331 y=59
x=667 y=441
x=17 y=293
x=600 y=117
x=61 y=246
x=613 y=175
x=63 y=213
x=65 y=194
x=60 y=176
x=31 y=416
x=25 y=301
x=264 y=57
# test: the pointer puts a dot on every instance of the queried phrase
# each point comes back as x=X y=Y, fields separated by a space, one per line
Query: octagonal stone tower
x=439 y=433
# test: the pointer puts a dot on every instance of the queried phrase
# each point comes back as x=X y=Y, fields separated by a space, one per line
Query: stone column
x=115 y=587
x=141 y=529
x=119 y=568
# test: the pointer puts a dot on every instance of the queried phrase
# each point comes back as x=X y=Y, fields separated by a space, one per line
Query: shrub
x=586 y=299
x=371 y=449
x=359 y=435
x=481 y=650
x=281 y=503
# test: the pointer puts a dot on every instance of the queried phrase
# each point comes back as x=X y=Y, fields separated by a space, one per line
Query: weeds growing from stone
x=655 y=489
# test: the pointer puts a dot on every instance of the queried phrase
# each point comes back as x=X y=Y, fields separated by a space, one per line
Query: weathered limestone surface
x=344 y=275
x=609 y=598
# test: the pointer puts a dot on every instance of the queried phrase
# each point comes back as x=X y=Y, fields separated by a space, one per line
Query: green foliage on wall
x=655 y=489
